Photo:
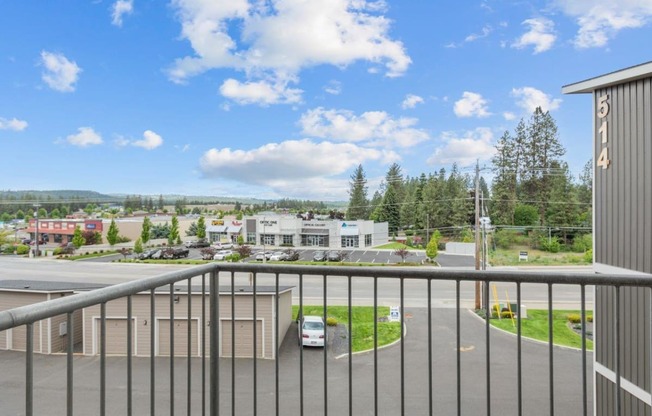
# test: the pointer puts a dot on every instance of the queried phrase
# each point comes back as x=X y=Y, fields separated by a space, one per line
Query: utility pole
x=477 y=232
x=36 y=207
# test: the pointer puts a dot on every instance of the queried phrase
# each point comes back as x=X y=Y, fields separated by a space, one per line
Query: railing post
x=214 y=384
x=29 y=370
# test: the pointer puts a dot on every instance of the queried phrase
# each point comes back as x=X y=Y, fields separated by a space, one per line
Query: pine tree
x=391 y=210
x=112 y=234
x=358 y=203
x=174 y=231
x=201 y=228
x=145 y=233
x=504 y=182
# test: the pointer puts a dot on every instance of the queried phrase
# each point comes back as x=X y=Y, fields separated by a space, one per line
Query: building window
x=312 y=240
x=350 y=241
x=288 y=240
x=267 y=239
x=251 y=238
x=367 y=240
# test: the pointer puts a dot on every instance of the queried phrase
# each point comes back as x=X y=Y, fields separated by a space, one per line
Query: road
x=443 y=294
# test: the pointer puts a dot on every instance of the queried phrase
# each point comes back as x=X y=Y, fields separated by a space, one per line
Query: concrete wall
x=466 y=249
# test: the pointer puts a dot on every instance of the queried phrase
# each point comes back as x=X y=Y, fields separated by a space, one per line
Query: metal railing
x=255 y=386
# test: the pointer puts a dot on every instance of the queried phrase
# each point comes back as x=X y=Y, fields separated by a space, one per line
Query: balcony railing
x=454 y=366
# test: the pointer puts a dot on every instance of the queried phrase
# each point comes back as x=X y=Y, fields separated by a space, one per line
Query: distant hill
x=56 y=195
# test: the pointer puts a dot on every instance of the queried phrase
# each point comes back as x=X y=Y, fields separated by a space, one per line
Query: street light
x=36 y=228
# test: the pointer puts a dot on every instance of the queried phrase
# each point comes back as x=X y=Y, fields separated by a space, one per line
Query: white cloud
x=471 y=105
x=529 y=99
x=333 y=87
x=411 y=101
x=601 y=20
x=119 y=9
x=374 y=128
x=260 y=92
x=288 y=164
x=86 y=137
x=464 y=149
x=541 y=35
x=12 y=124
x=277 y=39
x=150 y=141
x=509 y=116
x=60 y=73
x=486 y=31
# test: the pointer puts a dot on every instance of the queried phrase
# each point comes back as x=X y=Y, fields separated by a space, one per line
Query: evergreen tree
x=376 y=207
x=174 y=231
x=563 y=209
x=201 y=228
x=161 y=204
x=146 y=230
x=391 y=210
x=112 y=234
x=358 y=204
x=504 y=183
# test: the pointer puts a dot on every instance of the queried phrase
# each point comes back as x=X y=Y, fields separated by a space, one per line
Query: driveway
x=50 y=376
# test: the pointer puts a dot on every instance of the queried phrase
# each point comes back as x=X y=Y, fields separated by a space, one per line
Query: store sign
x=268 y=222
x=91 y=226
x=236 y=223
x=314 y=224
x=217 y=222
x=349 y=225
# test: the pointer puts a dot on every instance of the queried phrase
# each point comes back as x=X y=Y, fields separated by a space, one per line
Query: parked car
x=319 y=256
x=263 y=254
x=334 y=256
x=312 y=331
x=278 y=256
x=292 y=254
x=221 y=255
x=197 y=244
x=223 y=246
x=146 y=254
x=175 y=253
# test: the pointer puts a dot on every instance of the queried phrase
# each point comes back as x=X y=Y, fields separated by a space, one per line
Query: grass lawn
x=509 y=257
x=362 y=319
x=393 y=246
x=536 y=327
x=90 y=255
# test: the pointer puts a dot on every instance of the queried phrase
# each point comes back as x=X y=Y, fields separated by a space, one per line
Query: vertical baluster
x=617 y=349
x=203 y=344
x=255 y=357
x=551 y=369
x=103 y=359
x=300 y=329
x=278 y=347
x=375 y=345
x=232 y=343
x=325 y=349
x=402 y=282
x=488 y=342
x=152 y=347
x=350 y=346
x=519 y=351
x=171 y=349
x=459 y=347
x=129 y=355
x=584 y=380
x=29 y=370
x=69 y=364
x=189 y=370
x=429 y=347
x=214 y=344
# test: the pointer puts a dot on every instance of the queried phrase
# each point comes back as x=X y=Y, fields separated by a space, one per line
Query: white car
x=278 y=256
x=222 y=246
x=263 y=255
x=312 y=331
x=221 y=255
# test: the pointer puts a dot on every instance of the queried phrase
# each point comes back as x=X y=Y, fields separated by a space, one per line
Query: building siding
x=623 y=238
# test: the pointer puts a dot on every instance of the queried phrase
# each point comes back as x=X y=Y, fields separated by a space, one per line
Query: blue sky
x=284 y=98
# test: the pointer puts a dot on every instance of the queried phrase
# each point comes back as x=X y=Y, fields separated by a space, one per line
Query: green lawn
x=536 y=327
x=392 y=246
x=509 y=257
x=362 y=319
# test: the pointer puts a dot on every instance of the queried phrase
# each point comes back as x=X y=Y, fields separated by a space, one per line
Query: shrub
x=582 y=243
x=507 y=315
x=409 y=232
x=8 y=249
x=505 y=239
x=588 y=256
x=122 y=239
x=550 y=244
x=574 y=318
x=234 y=258
x=22 y=249
x=330 y=321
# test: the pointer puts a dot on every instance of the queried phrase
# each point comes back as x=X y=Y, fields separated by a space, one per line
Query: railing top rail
x=35 y=312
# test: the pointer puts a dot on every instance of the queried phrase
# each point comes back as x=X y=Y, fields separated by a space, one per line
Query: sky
x=285 y=98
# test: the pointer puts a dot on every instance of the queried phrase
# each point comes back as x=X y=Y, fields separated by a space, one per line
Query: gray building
x=622 y=224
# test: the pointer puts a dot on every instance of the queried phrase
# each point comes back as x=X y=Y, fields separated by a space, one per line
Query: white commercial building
x=291 y=231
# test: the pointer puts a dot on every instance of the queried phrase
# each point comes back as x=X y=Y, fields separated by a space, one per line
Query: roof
x=57 y=287
x=47 y=286
x=617 y=77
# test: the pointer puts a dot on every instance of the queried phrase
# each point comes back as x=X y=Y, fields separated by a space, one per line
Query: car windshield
x=313 y=326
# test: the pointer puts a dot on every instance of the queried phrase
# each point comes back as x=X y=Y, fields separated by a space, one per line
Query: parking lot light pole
x=36 y=228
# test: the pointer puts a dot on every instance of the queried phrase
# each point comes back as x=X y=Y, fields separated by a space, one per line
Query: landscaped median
x=566 y=326
x=362 y=324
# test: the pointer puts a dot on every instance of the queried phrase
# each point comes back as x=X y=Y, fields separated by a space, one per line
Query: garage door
x=116 y=336
x=244 y=338
x=180 y=337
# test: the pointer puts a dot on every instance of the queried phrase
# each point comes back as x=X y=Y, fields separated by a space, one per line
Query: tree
x=77 y=238
x=433 y=245
x=145 y=233
x=174 y=231
x=391 y=211
x=55 y=213
x=402 y=253
x=358 y=203
x=192 y=230
x=244 y=251
x=138 y=246
x=525 y=215
x=201 y=228
x=112 y=234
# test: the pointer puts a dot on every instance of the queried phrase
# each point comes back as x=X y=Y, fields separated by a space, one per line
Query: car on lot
x=175 y=253
x=222 y=245
x=334 y=256
x=221 y=255
x=263 y=255
x=319 y=255
x=197 y=244
x=278 y=256
x=312 y=331
x=146 y=254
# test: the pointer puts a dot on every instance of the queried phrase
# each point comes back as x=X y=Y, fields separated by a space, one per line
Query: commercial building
x=291 y=231
x=62 y=231
x=622 y=224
